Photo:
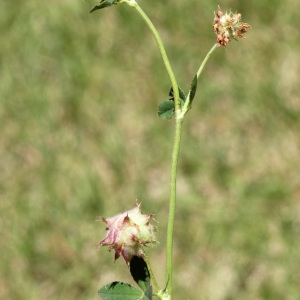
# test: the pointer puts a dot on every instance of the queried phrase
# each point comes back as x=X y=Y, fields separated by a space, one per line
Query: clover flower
x=128 y=232
x=228 y=26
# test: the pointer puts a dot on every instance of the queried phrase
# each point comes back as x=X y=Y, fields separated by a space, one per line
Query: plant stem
x=172 y=205
x=175 y=154
x=164 y=57
x=179 y=113
x=186 y=106
x=151 y=273
x=213 y=48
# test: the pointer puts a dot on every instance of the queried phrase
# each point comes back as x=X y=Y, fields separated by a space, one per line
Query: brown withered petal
x=228 y=26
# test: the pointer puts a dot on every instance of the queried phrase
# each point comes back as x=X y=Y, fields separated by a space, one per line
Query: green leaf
x=181 y=102
x=166 y=109
x=103 y=4
x=140 y=272
x=193 y=88
x=120 y=291
x=148 y=293
x=181 y=94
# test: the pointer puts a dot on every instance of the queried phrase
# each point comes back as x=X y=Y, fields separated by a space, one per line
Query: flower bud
x=128 y=232
x=228 y=26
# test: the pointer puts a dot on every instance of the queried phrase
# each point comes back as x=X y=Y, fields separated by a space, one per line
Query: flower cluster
x=228 y=26
x=128 y=232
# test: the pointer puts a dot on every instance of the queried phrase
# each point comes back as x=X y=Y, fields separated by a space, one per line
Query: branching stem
x=179 y=115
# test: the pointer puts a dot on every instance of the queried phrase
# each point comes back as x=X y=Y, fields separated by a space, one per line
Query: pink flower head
x=128 y=232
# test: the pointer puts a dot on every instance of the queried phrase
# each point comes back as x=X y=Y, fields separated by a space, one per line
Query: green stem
x=172 y=204
x=180 y=113
x=175 y=151
x=187 y=102
x=164 y=57
x=213 y=48
x=151 y=273
x=175 y=155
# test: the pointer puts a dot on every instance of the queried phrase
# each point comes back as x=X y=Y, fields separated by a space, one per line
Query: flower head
x=228 y=26
x=128 y=232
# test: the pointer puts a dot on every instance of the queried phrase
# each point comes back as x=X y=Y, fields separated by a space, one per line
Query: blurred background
x=80 y=138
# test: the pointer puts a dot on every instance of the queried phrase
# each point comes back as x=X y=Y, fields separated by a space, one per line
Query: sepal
x=103 y=4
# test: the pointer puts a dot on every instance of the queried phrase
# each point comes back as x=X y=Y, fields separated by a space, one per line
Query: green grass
x=80 y=138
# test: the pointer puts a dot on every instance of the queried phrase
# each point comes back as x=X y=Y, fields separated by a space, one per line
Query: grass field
x=80 y=138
